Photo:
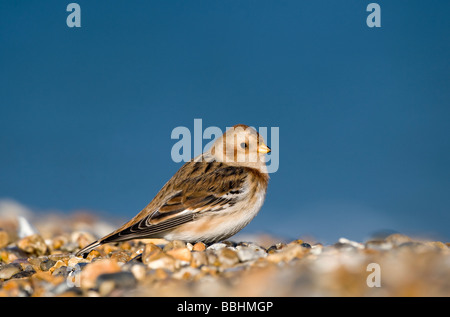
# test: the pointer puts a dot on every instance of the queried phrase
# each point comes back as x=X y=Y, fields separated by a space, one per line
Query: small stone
x=199 y=246
x=59 y=241
x=25 y=228
x=110 y=281
x=227 y=257
x=58 y=264
x=276 y=247
x=160 y=260
x=120 y=256
x=316 y=249
x=62 y=271
x=437 y=244
x=126 y=245
x=69 y=247
x=48 y=277
x=4 y=239
x=397 y=239
x=352 y=243
x=45 y=265
x=93 y=270
x=287 y=254
x=212 y=257
x=380 y=245
x=93 y=255
x=25 y=273
x=108 y=248
x=7 y=271
x=182 y=254
x=149 y=251
x=36 y=261
x=33 y=244
x=138 y=271
x=186 y=273
x=249 y=253
x=174 y=245
x=105 y=288
x=81 y=238
x=160 y=274
x=75 y=260
x=198 y=259
x=59 y=256
x=415 y=246
x=217 y=246
x=344 y=247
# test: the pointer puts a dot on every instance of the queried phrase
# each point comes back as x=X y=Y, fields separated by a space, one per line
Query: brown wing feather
x=220 y=186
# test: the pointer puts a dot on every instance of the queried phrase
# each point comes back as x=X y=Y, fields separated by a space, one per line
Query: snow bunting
x=209 y=199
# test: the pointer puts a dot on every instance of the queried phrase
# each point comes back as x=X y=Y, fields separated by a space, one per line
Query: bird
x=209 y=199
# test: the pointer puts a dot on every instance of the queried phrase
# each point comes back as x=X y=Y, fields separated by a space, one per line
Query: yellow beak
x=264 y=149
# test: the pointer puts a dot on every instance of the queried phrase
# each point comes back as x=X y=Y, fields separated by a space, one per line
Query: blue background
x=86 y=113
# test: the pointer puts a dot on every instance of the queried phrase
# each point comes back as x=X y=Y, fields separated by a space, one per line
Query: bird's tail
x=88 y=248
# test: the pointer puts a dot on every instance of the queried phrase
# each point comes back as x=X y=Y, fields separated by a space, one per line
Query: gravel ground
x=38 y=260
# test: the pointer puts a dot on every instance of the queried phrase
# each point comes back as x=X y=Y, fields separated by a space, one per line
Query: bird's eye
x=244 y=145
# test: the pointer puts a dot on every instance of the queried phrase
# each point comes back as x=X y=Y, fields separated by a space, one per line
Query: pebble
x=227 y=257
x=62 y=271
x=81 y=238
x=108 y=282
x=57 y=265
x=217 y=246
x=175 y=244
x=33 y=244
x=92 y=255
x=74 y=261
x=149 y=251
x=25 y=273
x=415 y=246
x=45 y=265
x=380 y=245
x=182 y=254
x=92 y=271
x=344 y=247
x=160 y=260
x=186 y=273
x=276 y=247
x=48 y=277
x=248 y=253
x=397 y=239
x=120 y=256
x=4 y=239
x=59 y=241
x=199 y=246
x=7 y=271
x=25 y=228
x=198 y=259
x=352 y=243
x=438 y=245
x=139 y=271
x=287 y=253
x=32 y=266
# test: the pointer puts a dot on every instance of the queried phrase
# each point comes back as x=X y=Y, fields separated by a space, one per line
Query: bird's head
x=241 y=145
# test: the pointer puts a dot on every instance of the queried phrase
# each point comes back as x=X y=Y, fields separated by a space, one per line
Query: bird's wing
x=198 y=187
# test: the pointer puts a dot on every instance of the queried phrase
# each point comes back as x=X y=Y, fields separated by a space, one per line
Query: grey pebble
x=120 y=279
x=8 y=270
x=46 y=264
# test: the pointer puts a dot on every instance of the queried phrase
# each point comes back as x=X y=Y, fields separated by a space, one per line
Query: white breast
x=220 y=225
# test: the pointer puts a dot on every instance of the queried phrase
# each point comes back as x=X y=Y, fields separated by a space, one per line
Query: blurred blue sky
x=86 y=113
